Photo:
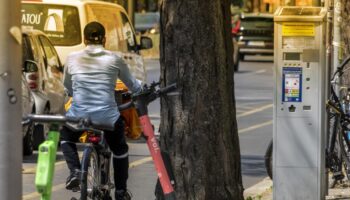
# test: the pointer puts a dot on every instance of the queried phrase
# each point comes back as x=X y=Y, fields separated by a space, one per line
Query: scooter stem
x=157 y=157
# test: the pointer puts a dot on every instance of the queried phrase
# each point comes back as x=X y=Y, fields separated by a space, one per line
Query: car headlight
x=153 y=31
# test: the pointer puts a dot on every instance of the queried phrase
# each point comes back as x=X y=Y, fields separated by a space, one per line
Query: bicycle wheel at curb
x=90 y=178
x=345 y=153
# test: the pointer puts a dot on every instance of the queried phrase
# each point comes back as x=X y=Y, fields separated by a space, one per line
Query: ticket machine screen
x=292 y=84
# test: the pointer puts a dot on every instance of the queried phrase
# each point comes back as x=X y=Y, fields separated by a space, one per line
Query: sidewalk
x=263 y=191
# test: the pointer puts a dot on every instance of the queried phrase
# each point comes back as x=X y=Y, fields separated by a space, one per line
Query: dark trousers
x=116 y=142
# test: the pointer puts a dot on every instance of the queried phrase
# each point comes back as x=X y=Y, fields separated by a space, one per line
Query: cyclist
x=90 y=76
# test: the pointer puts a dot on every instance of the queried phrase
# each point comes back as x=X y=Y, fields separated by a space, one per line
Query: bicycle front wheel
x=345 y=150
x=90 y=179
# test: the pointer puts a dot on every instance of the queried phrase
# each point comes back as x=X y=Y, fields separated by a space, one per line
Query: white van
x=63 y=21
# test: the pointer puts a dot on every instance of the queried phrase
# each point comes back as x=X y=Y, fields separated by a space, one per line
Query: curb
x=261 y=190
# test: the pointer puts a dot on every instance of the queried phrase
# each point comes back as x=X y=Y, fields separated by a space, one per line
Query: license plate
x=256 y=43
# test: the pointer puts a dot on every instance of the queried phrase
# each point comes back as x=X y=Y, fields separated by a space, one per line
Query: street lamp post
x=10 y=101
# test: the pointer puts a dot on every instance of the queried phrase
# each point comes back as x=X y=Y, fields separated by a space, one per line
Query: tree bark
x=345 y=26
x=198 y=124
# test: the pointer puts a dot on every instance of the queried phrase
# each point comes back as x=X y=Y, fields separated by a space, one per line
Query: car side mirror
x=146 y=43
x=61 y=69
x=30 y=66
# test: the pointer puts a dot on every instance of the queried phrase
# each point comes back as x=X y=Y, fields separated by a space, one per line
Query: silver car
x=44 y=79
x=27 y=108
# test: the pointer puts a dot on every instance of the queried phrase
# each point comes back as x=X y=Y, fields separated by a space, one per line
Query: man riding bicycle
x=89 y=77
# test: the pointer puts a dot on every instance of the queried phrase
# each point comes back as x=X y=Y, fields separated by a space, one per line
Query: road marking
x=260 y=71
x=140 y=162
x=34 y=195
x=32 y=170
x=255 y=110
x=63 y=185
x=254 y=127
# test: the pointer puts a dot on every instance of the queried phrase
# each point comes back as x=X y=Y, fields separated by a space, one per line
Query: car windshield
x=257 y=23
x=60 y=23
x=146 y=18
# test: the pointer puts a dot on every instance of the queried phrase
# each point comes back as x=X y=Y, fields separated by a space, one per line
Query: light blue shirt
x=90 y=76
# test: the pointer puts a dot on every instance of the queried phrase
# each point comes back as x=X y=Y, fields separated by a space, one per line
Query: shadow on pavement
x=253 y=165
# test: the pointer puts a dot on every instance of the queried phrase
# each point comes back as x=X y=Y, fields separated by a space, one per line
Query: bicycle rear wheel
x=90 y=180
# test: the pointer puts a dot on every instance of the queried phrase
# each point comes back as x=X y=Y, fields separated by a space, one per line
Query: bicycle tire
x=334 y=154
x=345 y=153
x=90 y=178
x=268 y=159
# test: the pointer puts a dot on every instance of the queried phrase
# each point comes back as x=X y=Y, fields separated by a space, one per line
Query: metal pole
x=131 y=11
x=336 y=34
x=11 y=135
x=329 y=67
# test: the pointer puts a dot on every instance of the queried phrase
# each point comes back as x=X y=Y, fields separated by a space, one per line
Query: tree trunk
x=198 y=124
x=345 y=26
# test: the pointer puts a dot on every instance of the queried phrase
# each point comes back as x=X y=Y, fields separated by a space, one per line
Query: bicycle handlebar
x=82 y=123
x=149 y=92
x=52 y=118
x=126 y=106
x=147 y=95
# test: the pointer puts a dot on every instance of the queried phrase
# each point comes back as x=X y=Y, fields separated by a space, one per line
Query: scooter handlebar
x=168 y=89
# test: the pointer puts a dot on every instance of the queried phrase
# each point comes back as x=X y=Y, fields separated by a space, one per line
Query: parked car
x=27 y=108
x=256 y=35
x=44 y=79
x=147 y=22
x=63 y=21
x=235 y=27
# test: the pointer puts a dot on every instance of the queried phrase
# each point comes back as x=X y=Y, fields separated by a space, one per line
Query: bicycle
x=338 y=143
x=95 y=181
x=47 y=151
x=338 y=151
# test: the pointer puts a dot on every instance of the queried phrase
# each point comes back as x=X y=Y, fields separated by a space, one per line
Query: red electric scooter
x=164 y=169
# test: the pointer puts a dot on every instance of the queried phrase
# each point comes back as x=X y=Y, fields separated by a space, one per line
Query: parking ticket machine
x=299 y=103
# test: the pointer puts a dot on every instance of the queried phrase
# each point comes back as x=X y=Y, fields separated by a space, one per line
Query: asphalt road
x=254 y=92
x=254 y=114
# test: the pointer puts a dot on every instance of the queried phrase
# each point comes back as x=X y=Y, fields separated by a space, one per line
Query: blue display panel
x=292 y=84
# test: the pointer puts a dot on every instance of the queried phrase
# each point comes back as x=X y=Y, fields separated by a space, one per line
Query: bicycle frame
x=46 y=162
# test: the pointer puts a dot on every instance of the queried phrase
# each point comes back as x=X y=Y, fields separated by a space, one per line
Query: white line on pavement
x=255 y=110
x=32 y=170
x=34 y=195
x=254 y=127
x=140 y=162
x=260 y=71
